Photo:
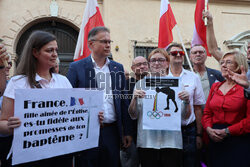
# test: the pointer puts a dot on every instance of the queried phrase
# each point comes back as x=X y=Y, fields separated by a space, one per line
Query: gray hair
x=196 y=46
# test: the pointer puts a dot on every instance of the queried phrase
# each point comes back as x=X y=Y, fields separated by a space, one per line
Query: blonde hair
x=161 y=51
x=240 y=59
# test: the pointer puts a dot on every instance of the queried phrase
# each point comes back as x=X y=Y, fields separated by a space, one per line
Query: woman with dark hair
x=226 y=116
x=35 y=70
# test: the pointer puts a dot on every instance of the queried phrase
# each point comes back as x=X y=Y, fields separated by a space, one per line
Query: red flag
x=199 y=36
x=167 y=23
x=91 y=18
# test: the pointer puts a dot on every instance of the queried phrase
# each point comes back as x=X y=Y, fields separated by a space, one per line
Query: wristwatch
x=227 y=132
x=2 y=67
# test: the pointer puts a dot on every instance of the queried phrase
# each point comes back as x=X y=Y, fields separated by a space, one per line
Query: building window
x=143 y=51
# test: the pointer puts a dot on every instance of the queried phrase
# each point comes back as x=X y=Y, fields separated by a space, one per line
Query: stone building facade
x=134 y=25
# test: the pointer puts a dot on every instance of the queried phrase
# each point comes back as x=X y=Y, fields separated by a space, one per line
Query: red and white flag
x=199 y=36
x=167 y=23
x=91 y=18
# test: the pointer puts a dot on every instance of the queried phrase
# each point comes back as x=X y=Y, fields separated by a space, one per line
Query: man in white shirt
x=191 y=127
x=97 y=71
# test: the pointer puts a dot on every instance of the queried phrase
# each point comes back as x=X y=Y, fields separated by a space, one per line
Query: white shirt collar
x=95 y=65
x=182 y=72
x=39 y=78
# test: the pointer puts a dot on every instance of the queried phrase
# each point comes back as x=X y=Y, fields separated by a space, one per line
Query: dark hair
x=94 y=31
x=174 y=45
x=28 y=62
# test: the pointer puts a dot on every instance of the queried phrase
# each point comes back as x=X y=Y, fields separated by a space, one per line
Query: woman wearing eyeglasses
x=226 y=117
x=156 y=147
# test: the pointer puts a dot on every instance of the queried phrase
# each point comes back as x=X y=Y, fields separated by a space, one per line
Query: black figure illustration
x=171 y=95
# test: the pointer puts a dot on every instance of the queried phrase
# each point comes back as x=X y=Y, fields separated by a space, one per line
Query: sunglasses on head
x=175 y=53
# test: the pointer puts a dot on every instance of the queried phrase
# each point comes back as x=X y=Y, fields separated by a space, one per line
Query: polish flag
x=199 y=35
x=91 y=18
x=167 y=23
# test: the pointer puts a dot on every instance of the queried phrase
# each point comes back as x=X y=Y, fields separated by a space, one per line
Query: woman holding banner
x=226 y=117
x=156 y=147
x=35 y=70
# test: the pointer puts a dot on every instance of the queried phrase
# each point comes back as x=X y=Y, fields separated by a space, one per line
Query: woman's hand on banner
x=101 y=117
x=13 y=122
x=184 y=95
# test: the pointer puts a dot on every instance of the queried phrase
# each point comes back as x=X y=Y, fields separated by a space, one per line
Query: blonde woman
x=226 y=116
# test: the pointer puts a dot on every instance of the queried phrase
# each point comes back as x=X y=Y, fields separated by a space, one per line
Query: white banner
x=55 y=122
x=161 y=105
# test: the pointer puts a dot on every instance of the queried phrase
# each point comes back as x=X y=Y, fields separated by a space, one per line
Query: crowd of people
x=215 y=118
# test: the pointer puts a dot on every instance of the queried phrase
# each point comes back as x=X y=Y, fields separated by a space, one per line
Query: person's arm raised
x=211 y=39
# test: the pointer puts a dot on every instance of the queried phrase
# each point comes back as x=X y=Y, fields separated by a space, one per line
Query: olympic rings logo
x=155 y=114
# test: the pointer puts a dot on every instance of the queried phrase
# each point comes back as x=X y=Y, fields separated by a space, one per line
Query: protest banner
x=55 y=122
x=161 y=105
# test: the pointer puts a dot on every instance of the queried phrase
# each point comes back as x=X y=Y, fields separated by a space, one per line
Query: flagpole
x=205 y=19
x=179 y=34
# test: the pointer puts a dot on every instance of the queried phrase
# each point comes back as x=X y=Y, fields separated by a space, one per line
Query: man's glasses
x=160 y=60
x=103 y=41
x=175 y=53
x=198 y=51
x=139 y=64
